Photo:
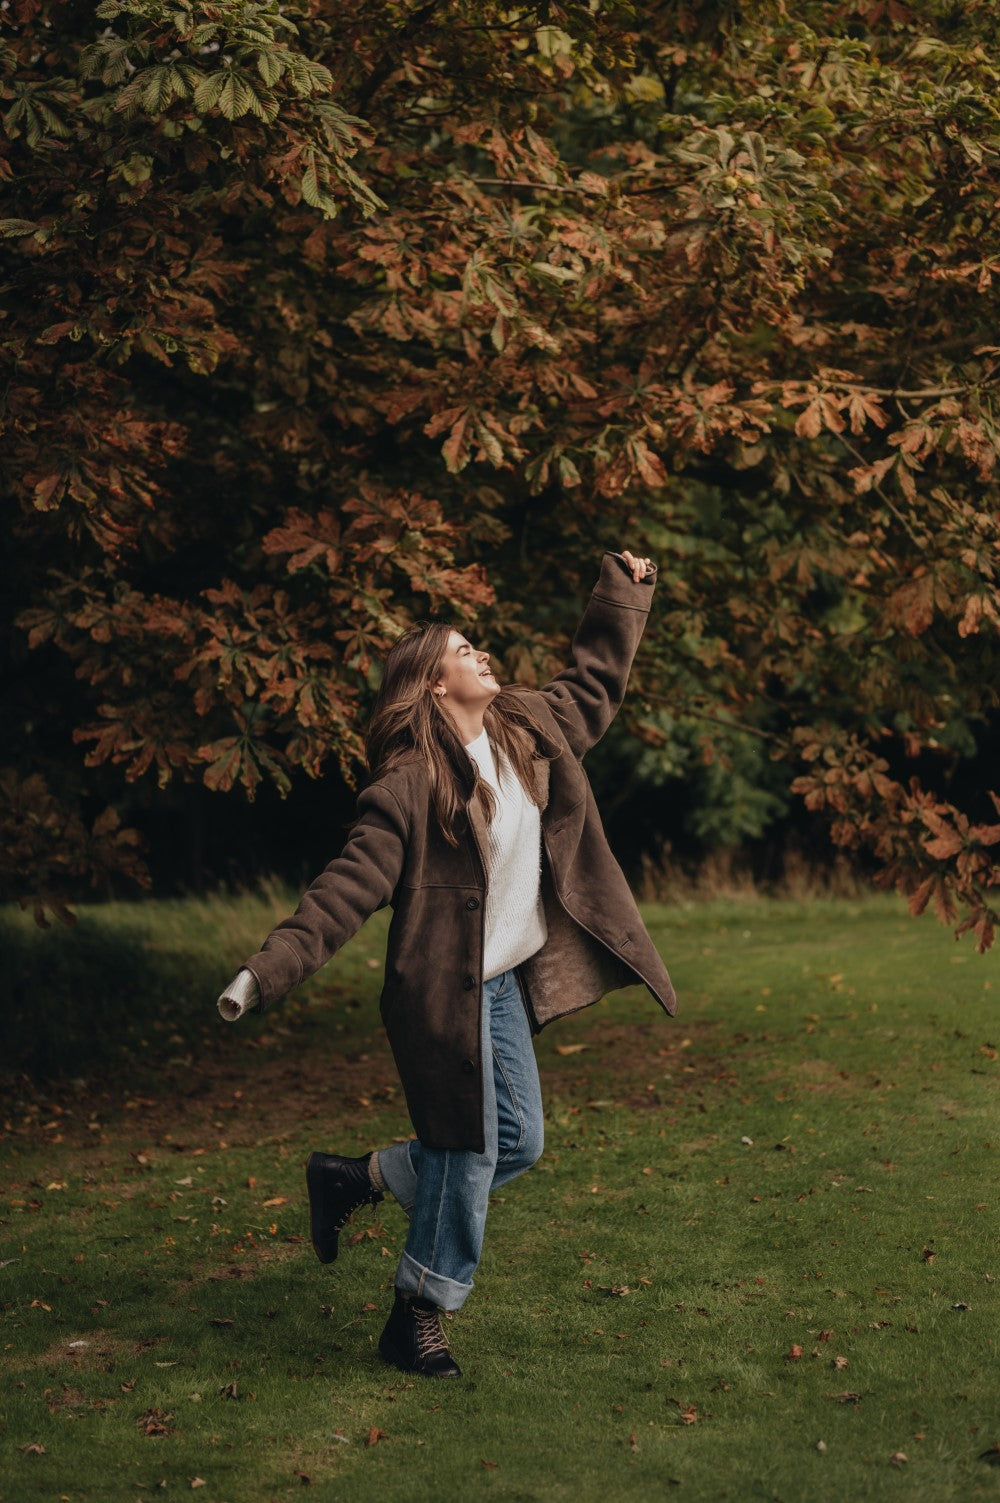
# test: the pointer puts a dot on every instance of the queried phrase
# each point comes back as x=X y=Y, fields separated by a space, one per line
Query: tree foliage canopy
x=323 y=318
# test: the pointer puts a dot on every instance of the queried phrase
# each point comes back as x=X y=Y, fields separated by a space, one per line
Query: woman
x=480 y=828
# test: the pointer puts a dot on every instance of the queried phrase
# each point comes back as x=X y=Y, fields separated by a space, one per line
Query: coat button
x=469 y=982
x=472 y=902
x=469 y=1066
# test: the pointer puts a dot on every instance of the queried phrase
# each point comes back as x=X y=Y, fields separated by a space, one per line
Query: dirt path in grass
x=254 y=1095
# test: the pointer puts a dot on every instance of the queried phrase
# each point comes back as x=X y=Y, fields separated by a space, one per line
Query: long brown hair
x=407 y=721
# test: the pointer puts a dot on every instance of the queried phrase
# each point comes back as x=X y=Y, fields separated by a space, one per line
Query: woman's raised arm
x=587 y=694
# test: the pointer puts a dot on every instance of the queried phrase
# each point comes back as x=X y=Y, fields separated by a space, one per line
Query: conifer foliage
x=320 y=318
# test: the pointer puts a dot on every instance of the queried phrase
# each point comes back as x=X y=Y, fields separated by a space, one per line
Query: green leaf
x=206 y=94
x=270 y=66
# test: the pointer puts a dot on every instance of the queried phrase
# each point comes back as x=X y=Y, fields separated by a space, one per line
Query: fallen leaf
x=844 y=1398
x=220 y=1320
x=196 y=1481
x=303 y=1478
x=898 y=1458
x=229 y=1391
x=32 y=1449
x=375 y=1435
x=793 y=1354
x=571 y=1048
x=991 y=1455
x=276 y=1200
x=154 y=1422
x=840 y=1363
x=490 y=1466
x=689 y=1416
x=633 y=1444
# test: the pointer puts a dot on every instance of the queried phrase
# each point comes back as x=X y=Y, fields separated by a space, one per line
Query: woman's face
x=465 y=680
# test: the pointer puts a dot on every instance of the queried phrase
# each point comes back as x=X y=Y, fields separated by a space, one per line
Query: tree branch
x=729 y=725
x=382 y=70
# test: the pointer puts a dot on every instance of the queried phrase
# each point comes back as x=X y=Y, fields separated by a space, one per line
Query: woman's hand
x=639 y=566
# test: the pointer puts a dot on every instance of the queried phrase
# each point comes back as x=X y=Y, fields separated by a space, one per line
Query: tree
x=316 y=308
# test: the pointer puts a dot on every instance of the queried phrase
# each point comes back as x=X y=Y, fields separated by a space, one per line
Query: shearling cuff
x=240 y=996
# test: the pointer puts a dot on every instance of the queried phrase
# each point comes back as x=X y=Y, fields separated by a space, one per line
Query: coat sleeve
x=362 y=879
x=586 y=696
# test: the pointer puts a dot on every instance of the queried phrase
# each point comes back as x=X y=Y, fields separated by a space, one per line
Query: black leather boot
x=337 y=1186
x=414 y=1339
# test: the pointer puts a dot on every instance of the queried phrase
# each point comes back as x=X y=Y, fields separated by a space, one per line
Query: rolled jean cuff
x=412 y=1278
x=400 y=1177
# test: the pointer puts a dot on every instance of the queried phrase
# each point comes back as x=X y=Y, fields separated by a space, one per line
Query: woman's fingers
x=639 y=566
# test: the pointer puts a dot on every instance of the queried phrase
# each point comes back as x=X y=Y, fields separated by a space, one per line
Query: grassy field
x=757 y=1261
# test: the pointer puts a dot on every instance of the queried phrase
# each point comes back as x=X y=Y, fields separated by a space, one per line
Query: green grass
x=643 y=1291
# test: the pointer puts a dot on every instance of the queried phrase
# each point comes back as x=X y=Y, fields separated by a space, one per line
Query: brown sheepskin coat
x=395 y=854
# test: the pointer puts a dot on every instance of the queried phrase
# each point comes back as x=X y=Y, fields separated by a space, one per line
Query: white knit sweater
x=514 y=917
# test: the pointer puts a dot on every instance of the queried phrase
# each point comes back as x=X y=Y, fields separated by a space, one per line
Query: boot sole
x=314 y=1182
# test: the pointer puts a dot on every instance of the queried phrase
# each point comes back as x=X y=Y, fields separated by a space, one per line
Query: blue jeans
x=446 y=1191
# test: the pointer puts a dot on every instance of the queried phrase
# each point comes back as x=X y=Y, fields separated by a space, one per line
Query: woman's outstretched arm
x=362 y=879
x=587 y=694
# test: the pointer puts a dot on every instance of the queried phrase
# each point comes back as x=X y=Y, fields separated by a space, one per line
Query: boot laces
x=366 y=1198
x=431 y=1339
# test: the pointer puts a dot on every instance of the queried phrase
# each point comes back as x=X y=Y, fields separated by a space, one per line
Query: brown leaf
x=375 y=1435
x=844 y=1398
x=154 y=1422
x=898 y=1458
x=33 y=1448
x=276 y=1200
x=196 y=1481
x=490 y=1466
x=571 y=1048
x=794 y=1353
